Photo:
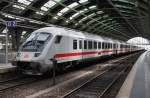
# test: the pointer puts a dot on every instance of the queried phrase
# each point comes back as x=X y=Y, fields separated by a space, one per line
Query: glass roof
x=49 y=5
x=93 y=14
x=19 y=7
x=67 y=8
x=81 y=11
x=83 y=1
x=72 y=9
x=25 y=2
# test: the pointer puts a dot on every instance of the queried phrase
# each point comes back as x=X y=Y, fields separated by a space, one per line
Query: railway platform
x=6 y=68
x=137 y=84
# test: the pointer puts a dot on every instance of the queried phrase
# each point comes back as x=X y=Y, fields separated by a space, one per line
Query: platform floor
x=137 y=84
x=4 y=68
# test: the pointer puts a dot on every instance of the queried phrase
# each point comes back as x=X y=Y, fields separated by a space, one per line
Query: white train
x=66 y=46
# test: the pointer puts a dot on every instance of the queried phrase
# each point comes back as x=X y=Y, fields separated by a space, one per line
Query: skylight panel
x=56 y=17
x=76 y=24
x=40 y=13
x=44 y=8
x=59 y=14
x=105 y=16
x=83 y=19
x=64 y=10
x=67 y=8
x=67 y=21
x=91 y=21
x=9 y=16
x=49 y=4
x=87 y=17
x=83 y=1
x=92 y=7
x=99 y=12
x=76 y=14
x=25 y=2
x=19 y=7
x=91 y=15
x=73 y=5
x=24 y=32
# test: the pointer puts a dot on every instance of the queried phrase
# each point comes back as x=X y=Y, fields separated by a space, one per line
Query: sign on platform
x=11 y=23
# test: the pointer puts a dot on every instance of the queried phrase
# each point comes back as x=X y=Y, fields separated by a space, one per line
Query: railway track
x=17 y=81
x=99 y=85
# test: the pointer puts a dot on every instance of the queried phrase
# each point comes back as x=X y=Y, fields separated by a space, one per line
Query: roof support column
x=15 y=37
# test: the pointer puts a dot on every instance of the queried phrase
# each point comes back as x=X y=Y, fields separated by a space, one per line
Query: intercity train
x=65 y=47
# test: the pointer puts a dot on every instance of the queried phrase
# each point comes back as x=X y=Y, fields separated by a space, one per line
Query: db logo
x=26 y=56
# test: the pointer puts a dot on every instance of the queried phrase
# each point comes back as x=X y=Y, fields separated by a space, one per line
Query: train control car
x=66 y=46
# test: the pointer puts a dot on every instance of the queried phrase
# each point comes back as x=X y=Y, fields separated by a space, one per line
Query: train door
x=81 y=48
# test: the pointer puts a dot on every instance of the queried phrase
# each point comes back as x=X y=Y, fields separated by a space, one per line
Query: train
x=64 y=47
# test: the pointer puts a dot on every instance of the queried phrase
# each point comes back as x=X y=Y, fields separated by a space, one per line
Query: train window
x=85 y=44
x=95 y=45
x=75 y=44
x=103 y=45
x=121 y=46
x=80 y=44
x=89 y=44
x=36 y=42
x=99 y=45
x=114 y=46
x=108 y=45
x=58 y=39
x=111 y=45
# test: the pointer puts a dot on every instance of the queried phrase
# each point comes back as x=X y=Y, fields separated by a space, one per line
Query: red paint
x=80 y=53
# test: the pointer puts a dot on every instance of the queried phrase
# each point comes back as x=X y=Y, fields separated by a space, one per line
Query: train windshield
x=36 y=42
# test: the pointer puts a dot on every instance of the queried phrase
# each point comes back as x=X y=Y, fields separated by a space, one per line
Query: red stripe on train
x=80 y=53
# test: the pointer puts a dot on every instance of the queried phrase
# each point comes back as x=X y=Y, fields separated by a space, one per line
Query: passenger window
x=114 y=46
x=107 y=45
x=58 y=39
x=89 y=44
x=110 y=45
x=99 y=45
x=80 y=44
x=75 y=44
x=85 y=44
x=103 y=45
x=95 y=45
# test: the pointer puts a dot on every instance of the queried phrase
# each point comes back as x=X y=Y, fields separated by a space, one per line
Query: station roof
x=119 y=19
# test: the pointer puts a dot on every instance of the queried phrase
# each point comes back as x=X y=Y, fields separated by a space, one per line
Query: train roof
x=75 y=33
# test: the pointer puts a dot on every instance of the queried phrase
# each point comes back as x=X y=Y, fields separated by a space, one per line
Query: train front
x=30 y=58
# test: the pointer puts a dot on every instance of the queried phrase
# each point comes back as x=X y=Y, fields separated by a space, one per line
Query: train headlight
x=36 y=54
